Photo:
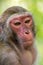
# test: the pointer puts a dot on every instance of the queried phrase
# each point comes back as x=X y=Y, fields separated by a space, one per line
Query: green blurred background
x=36 y=8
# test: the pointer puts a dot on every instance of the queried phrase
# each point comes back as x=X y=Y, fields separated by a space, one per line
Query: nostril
x=26 y=32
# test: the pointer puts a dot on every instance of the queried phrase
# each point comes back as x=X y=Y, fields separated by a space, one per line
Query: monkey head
x=21 y=24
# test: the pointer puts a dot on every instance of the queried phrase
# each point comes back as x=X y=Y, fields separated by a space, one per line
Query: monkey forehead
x=18 y=15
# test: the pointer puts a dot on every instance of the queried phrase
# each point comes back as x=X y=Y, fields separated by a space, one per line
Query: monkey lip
x=27 y=40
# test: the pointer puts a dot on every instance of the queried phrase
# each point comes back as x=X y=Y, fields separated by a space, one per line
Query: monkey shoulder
x=8 y=56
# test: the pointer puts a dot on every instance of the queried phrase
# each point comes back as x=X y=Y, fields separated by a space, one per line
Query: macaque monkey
x=17 y=34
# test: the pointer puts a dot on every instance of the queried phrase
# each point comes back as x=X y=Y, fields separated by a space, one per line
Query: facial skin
x=22 y=25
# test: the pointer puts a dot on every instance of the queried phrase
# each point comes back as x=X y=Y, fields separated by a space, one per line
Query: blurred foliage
x=36 y=8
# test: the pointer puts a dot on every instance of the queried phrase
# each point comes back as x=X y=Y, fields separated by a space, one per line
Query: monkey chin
x=27 y=44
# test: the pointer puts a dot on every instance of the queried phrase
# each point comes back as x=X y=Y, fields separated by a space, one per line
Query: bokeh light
x=40 y=6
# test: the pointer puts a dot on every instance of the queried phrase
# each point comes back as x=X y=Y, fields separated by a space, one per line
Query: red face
x=22 y=26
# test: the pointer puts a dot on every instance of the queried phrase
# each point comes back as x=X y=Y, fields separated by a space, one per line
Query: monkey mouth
x=28 y=42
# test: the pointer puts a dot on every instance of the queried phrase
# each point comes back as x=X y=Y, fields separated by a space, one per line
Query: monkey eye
x=17 y=23
x=27 y=21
